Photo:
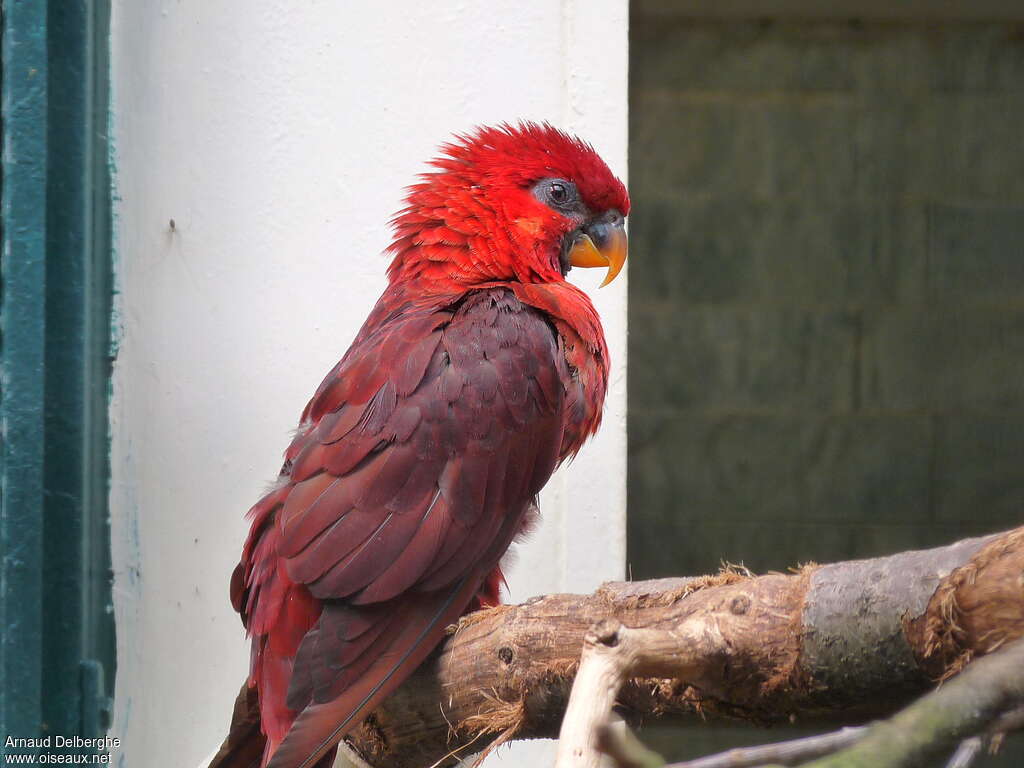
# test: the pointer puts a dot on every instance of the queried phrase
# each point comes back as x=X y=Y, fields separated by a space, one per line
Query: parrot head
x=521 y=202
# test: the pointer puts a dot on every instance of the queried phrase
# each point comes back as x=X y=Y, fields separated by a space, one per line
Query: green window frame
x=57 y=651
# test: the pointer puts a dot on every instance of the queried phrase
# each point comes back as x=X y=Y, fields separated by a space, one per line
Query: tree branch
x=851 y=641
x=611 y=654
x=932 y=727
x=621 y=747
x=792 y=752
x=966 y=753
x=618 y=742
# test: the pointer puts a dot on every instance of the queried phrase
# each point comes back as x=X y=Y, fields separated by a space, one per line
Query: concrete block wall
x=826 y=291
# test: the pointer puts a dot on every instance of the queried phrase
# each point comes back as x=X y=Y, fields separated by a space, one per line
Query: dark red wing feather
x=412 y=471
x=420 y=626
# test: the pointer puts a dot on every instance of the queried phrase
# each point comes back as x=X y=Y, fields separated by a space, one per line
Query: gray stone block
x=785 y=468
x=828 y=55
x=979 y=148
x=981 y=59
x=691 y=55
x=797 y=253
x=792 y=148
x=943 y=357
x=979 y=465
x=736 y=357
x=975 y=252
x=897 y=152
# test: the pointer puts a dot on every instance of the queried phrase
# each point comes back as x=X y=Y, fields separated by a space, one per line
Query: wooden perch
x=850 y=642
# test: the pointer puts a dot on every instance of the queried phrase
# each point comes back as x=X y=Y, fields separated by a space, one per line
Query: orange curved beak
x=602 y=244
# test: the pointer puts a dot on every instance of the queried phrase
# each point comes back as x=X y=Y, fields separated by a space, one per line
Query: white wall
x=278 y=136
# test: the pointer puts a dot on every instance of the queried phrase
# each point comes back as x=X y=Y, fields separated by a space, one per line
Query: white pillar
x=278 y=137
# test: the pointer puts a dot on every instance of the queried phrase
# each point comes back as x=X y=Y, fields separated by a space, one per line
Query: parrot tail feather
x=320 y=726
x=245 y=744
x=243 y=747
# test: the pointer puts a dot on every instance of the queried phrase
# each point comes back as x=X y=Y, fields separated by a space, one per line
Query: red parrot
x=420 y=456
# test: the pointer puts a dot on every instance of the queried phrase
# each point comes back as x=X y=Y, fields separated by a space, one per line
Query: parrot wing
x=419 y=456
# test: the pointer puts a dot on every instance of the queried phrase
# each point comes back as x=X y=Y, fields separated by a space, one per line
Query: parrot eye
x=558 y=194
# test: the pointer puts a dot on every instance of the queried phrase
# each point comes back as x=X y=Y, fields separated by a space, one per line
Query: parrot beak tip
x=612 y=253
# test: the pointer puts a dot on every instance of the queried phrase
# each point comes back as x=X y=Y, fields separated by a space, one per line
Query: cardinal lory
x=421 y=455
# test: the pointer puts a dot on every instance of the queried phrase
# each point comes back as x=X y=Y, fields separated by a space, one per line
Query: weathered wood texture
x=839 y=642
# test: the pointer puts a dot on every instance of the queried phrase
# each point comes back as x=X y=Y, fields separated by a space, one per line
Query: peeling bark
x=975 y=611
x=846 y=642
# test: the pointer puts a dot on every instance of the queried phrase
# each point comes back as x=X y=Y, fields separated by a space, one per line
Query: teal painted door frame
x=57 y=641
